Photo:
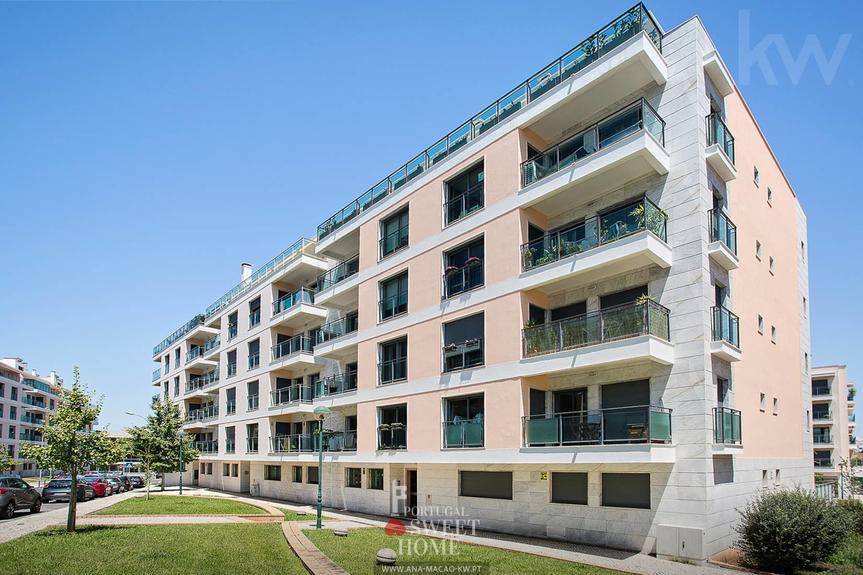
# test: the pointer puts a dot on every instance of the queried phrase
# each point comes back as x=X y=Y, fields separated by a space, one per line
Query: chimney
x=247 y=271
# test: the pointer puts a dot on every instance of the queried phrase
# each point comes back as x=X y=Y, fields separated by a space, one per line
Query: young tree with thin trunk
x=71 y=445
x=167 y=440
x=145 y=445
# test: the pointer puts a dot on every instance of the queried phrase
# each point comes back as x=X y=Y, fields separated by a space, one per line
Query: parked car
x=60 y=490
x=100 y=486
x=127 y=483
x=16 y=494
x=137 y=481
x=116 y=484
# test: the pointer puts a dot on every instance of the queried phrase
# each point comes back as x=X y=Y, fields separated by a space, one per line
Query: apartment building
x=27 y=400
x=580 y=315
x=833 y=421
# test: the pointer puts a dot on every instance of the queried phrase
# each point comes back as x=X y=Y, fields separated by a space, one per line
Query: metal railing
x=821 y=390
x=254 y=361
x=392 y=242
x=251 y=445
x=722 y=229
x=30 y=419
x=458 y=280
x=296 y=344
x=232 y=369
x=822 y=436
x=28 y=435
x=337 y=328
x=465 y=203
x=254 y=317
x=610 y=324
x=292 y=394
x=393 y=370
x=726 y=326
x=40 y=403
x=393 y=436
x=636 y=424
x=393 y=305
x=180 y=332
x=727 y=426
x=819 y=462
x=198 y=381
x=632 y=22
x=232 y=330
x=717 y=133
x=634 y=118
x=593 y=232
x=467 y=354
x=157 y=373
x=230 y=407
x=252 y=402
x=212 y=344
x=202 y=414
x=230 y=446
x=464 y=433
x=822 y=415
x=335 y=384
x=211 y=446
x=194 y=353
x=348 y=268
x=302 y=295
x=293 y=443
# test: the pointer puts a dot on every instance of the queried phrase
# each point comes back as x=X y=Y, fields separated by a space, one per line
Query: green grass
x=180 y=505
x=847 y=560
x=294 y=516
x=162 y=549
x=356 y=554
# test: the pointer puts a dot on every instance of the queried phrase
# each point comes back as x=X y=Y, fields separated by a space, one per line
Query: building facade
x=579 y=315
x=833 y=422
x=27 y=400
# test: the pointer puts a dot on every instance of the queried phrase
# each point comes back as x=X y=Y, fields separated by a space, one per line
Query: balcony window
x=821 y=412
x=726 y=326
x=726 y=426
x=464 y=194
x=823 y=459
x=608 y=227
x=822 y=435
x=464 y=425
x=338 y=328
x=252 y=390
x=230 y=439
x=252 y=438
x=254 y=312
x=291 y=391
x=464 y=268
x=232 y=325
x=463 y=343
x=392 y=427
x=394 y=296
x=717 y=133
x=394 y=233
x=393 y=364
x=722 y=229
x=231 y=401
x=821 y=387
x=338 y=383
x=254 y=354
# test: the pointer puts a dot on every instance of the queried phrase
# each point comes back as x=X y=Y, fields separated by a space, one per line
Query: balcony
x=723 y=240
x=464 y=433
x=822 y=436
x=336 y=384
x=340 y=441
x=293 y=443
x=39 y=387
x=195 y=358
x=338 y=286
x=157 y=373
x=720 y=148
x=822 y=463
x=291 y=394
x=211 y=345
x=198 y=383
x=210 y=447
x=38 y=403
x=296 y=351
x=30 y=419
x=297 y=309
x=578 y=68
x=726 y=334
x=197 y=416
x=822 y=415
x=392 y=436
x=621 y=425
x=726 y=426
x=179 y=333
x=821 y=390
x=31 y=436
x=464 y=355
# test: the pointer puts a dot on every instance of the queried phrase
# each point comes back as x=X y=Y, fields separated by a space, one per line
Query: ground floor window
x=273 y=472
x=376 y=478
x=489 y=484
x=312 y=475
x=209 y=469
x=569 y=488
x=235 y=470
x=297 y=473
x=626 y=490
x=353 y=477
x=226 y=469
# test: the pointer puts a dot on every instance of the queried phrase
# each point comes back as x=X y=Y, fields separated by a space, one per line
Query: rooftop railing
x=635 y=20
x=339 y=273
x=726 y=426
x=40 y=385
x=636 y=424
x=717 y=133
x=610 y=324
x=726 y=326
x=181 y=331
x=722 y=229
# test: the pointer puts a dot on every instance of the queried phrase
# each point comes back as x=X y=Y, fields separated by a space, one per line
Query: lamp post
x=180 y=465
x=321 y=412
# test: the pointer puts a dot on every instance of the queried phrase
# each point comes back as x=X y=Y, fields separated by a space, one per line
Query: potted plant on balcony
x=451 y=269
x=528 y=255
x=450 y=347
x=472 y=261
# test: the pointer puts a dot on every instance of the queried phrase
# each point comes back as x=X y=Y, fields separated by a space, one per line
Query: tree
x=144 y=446
x=165 y=439
x=71 y=446
x=6 y=462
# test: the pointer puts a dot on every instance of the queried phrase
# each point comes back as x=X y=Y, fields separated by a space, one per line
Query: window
x=806 y=362
x=394 y=233
x=376 y=478
x=273 y=472
x=394 y=296
x=13 y=412
x=772 y=265
x=230 y=439
x=775 y=406
x=14 y=395
x=464 y=422
x=226 y=469
x=723 y=469
x=232 y=325
x=463 y=343
x=235 y=469
x=464 y=194
x=254 y=312
x=487 y=484
x=393 y=426
x=252 y=390
x=176 y=386
x=209 y=469
x=805 y=307
x=297 y=473
x=808 y=421
x=803 y=250
x=630 y=490
x=353 y=477
x=312 y=475
x=177 y=356
x=773 y=333
x=464 y=268
x=254 y=354
x=393 y=364
x=769 y=196
x=756 y=177
x=757 y=249
x=252 y=438
x=760 y=324
x=762 y=402
x=569 y=488
x=232 y=362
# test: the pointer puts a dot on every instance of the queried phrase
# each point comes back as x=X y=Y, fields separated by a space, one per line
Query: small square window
x=312 y=475
x=805 y=307
x=769 y=196
x=806 y=362
x=763 y=402
x=760 y=325
x=756 y=177
x=354 y=477
x=773 y=333
x=297 y=473
x=772 y=265
x=376 y=478
x=757 y=249
x=775 y=406
x=273 y=472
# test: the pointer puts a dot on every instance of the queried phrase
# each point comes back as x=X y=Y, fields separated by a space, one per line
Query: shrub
x=854 y=508
x=786 y=530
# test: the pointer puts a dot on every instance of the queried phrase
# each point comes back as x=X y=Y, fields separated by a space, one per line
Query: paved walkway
x=315 y=561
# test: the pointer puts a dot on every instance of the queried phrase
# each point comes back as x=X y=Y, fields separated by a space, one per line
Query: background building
x=582 y=314
x=833 y=423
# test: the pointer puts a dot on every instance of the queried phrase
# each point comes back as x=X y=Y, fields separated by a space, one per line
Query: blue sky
x=143 y=144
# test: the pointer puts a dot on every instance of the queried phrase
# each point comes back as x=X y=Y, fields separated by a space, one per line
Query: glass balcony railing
x=251 y=445
x=340 y=441
x=593 y=232
x=230 y=446
x=335 y=384
x=181 y=331
x=393 y=242
x=32 y=401
x=726 y=426
x=393 y=305
x=293 y=443
x=39 y=385
x=211 y=344
x=252 y=403
x=822 y=436
x=464 y=433
x=291 y=394
x=636 y=424
x=302 y=295
x=254 y=361
x=200 y=381
x=823 y=462
x=726 y=326
x=630 y=120
x=194 y=353
x=821 y=390
x=31 y=436
x=723 y=230
x=465 y=203
x=463 y=355
x=393 y=436
x=203 y=414
x=31 y=419
x=348 y=268
x=157 y=373
x=294 y=345
x=393 y=370
x=822 y=415
x=207 y=447
x=254 y=317
x=337 y=328
x=632 y=22
x=717 y=133
x=458 y=280
x=610 y=324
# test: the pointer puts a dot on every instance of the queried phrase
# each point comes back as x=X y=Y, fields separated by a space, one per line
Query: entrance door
x=412 y=492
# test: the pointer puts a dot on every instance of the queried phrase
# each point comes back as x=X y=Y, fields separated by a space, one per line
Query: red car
x=100 y=486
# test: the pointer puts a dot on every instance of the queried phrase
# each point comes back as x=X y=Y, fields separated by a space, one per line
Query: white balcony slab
x=724 y=350
x=300 y=316
x=338 y=347
x=200 y=362
x=294 y=361
x=720 y=163
x=718 y=73
x=723 y=256
x=344 y=294
x=645 y=348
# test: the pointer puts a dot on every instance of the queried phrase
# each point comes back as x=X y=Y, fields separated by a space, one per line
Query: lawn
x=163 y=549
x=180 y=505
x=848 y=559
x=294 y=516
x=357 y=556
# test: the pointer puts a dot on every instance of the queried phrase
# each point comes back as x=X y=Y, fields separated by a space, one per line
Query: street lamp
x=180 y=464
x=321 y=412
